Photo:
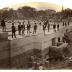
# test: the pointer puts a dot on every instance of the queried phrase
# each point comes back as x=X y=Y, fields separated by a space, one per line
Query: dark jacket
x=28 y=26
x=23 y=27
x=3 y=23
x=54 y=26
x=19 y=27
x=44 y=27
x=58 y=26
x=13 y=29
x=35 y=27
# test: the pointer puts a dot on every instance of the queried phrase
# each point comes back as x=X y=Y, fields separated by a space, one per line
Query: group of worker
x=47 y=24
x=22 y=27
x=65 y=24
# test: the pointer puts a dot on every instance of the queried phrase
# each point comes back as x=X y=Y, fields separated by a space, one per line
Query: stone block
x=3 y=36
x=4 y=49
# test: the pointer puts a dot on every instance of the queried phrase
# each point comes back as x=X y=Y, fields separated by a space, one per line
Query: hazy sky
x=8 y=3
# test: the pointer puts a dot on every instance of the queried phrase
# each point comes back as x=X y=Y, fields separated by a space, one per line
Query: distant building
x=50 y=11
x=6 y=8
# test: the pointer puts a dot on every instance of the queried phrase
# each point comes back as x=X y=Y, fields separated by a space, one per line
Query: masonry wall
x=17 y=53
x=4 y=51
x=22 y=49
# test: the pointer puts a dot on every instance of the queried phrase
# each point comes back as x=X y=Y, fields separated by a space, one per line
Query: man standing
x=58 y=27
x=23 y=29
x=19 y=28
x=3 y=25
x=63 y=23
x=48 y=26
x=13 y=30
x=54 y=27
x=45 y=23
x=68 y=23
x=28 y=28
x=44 y=28
x=35 y=28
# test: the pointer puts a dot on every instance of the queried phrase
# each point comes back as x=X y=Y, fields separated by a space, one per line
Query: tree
x=27 y=12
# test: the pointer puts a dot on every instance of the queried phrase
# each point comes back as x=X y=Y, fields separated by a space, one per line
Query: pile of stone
x=58 y=52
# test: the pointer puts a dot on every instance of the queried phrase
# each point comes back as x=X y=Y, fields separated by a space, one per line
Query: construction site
x=37 y=51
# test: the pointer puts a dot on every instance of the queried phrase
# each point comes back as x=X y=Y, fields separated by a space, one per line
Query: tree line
x=27 y=12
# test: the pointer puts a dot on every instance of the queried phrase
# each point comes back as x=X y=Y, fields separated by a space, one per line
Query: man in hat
x=48 y=26
x=28 y=28
x=44 y=28
x=35 y=28
x=19 y=28
x=3 y=25
x=54 y=27
x=23 y=29
x=58 y=27
x=13 y=30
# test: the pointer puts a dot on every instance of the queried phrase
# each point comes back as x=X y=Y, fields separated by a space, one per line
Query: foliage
x=27 y=12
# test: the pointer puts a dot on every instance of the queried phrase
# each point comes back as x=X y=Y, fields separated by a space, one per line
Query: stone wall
x=4 y=54
x=17 y=53
x=22 y=49
x=3 y=36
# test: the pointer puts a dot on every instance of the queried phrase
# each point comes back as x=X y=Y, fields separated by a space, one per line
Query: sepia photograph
x=35 y=34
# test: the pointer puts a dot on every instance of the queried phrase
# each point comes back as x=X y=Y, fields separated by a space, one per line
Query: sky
x=10 y=3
